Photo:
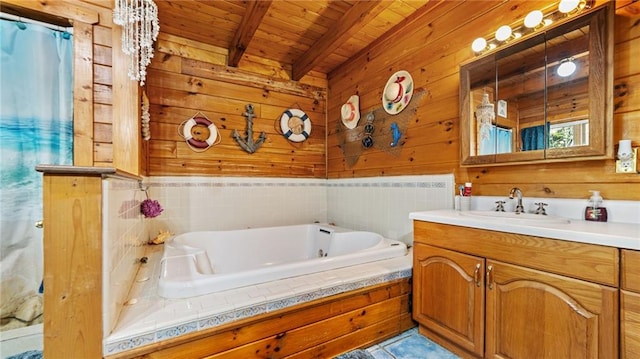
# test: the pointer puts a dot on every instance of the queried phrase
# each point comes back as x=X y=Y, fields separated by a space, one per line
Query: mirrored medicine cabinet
x=517 y=107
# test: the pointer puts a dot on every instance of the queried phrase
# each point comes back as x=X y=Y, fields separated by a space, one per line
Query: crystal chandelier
x=485 y=115
x=139 y=21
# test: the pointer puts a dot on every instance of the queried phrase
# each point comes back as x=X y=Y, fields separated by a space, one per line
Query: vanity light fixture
x=535 y=20
x=567 y=67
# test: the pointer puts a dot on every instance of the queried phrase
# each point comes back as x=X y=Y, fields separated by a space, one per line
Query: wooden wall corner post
x=72 y=216
x=83 y=109
x=127 y=138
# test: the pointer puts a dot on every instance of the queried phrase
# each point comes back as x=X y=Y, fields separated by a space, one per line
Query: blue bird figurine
x=395 y=132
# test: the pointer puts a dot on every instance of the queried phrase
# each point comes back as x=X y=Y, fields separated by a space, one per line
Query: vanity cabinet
x=490 y=294
x=630 y=305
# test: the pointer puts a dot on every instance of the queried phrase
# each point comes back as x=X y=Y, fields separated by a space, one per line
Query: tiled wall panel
x=220 y=203
x=124 y=235
x=379 y=204
x=383 y=204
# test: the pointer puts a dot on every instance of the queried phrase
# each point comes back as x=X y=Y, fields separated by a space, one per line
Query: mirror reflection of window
x=569 y=134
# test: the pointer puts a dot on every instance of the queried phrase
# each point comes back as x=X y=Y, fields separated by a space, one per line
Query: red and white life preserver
x=286 y=129
x=186 y=132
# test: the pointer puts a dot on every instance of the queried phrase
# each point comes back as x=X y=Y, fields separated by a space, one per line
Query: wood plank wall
x=431 y=47
x=102 y=84
x=188 y=77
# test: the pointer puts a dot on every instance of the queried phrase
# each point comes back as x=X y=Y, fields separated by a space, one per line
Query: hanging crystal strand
x=140 y=41
x=139 y=19
x=133 y=69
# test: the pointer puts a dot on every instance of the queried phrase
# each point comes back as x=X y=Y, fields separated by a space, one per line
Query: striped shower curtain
x=36 y=127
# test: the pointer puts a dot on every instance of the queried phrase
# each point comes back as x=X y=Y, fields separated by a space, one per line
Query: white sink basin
x=515 y=218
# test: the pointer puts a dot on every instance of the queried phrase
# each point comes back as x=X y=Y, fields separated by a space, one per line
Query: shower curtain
x=36 y=127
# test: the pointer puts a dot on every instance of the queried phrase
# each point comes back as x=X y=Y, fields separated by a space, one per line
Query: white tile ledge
x=246 y=303
x=621 y=235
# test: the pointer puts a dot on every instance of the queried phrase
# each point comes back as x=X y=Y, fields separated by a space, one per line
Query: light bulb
x=479 y=44
x=503 y=33
x=566 y=68
x=533 y=19
x=567 y=6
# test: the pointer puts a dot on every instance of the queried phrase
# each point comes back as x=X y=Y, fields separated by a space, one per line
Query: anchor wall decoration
x=247 y=143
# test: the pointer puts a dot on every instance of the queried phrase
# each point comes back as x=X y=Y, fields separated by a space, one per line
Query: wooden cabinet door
x=629 y=324
x=448 y=295
x=533 y=314
x=630 y=305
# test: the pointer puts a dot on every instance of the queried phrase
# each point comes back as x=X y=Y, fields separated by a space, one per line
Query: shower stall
x=36 y=127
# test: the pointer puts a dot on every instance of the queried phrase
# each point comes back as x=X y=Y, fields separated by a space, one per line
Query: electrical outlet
x=630 y=166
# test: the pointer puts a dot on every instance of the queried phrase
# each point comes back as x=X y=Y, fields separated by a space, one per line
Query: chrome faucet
x=517 y=192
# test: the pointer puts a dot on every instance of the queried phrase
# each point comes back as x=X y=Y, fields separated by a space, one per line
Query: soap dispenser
x=595 y=211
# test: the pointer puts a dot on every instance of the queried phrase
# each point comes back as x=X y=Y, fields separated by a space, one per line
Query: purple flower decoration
x=150 y=208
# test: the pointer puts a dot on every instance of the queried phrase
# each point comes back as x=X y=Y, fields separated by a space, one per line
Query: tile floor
x=410 y=345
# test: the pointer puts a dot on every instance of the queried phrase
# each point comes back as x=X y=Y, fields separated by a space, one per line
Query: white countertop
x=621 y=235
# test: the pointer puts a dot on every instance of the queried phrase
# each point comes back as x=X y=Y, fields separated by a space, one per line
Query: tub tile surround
x=379 y=204
x=225 y=203
x=152 y=318
x=383 y=204
x=124 y=233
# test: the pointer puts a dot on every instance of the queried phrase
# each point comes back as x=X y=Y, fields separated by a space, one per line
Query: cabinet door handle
x=476 y=275
x=490 y=276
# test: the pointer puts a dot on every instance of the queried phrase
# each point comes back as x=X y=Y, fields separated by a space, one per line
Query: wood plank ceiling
x=308 y=35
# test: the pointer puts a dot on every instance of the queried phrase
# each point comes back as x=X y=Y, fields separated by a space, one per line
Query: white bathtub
x=198 y=263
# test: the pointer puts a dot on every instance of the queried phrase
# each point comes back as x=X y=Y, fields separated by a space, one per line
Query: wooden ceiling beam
x=351 y=22
x=256 y=10
x=48 y=10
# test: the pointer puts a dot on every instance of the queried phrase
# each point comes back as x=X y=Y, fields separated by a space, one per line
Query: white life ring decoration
x=295 y=125
x=194 y=131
